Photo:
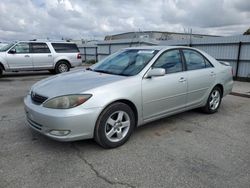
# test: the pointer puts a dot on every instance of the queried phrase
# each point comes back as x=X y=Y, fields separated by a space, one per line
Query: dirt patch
x=15 y=101
x=188 y=131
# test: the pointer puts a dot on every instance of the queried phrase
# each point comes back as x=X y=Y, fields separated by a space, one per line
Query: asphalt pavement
x=190 y=149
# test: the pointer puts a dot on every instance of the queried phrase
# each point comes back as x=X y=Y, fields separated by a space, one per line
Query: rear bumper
x=228 y=87
x=79 y=123
x=76 y=63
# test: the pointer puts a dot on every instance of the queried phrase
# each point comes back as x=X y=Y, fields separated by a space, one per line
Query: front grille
x=39 y=99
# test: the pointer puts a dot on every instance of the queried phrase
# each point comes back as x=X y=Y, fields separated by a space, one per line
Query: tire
x=61 y=67
x=1 y=71
x=213 y=101
x=114 y=125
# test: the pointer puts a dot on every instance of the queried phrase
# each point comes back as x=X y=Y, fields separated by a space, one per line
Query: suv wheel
x=115 y=125
x=61 y=67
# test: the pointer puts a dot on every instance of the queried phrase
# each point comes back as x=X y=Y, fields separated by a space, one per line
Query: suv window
x=65 y=47
x=194 y=60
x=170 y=61
x=40 y=48
x=22 y=48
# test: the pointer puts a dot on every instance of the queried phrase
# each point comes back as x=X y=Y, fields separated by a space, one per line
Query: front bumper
x=78 y=123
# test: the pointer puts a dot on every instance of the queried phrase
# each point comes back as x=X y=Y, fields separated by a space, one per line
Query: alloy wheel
x=117 y=126
x=63 y=68
x=214 y=100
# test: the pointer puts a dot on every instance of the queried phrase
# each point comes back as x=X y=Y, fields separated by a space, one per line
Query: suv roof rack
x=49 y=40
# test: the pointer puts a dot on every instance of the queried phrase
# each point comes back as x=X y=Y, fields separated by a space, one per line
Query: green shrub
x=92 y=61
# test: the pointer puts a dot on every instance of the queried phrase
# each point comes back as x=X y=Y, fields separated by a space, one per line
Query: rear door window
x=65 y=48
x=194 y=60
x=40 y=48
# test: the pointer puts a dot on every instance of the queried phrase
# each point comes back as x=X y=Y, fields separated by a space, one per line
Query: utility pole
x=190 y=37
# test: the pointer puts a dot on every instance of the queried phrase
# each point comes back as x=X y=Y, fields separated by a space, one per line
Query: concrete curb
x=240 y=94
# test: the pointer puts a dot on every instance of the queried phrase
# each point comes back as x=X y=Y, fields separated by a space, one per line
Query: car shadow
x=21 y=74
x=153 y=129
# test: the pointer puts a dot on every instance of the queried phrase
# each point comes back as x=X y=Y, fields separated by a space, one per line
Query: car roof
x=157 y=47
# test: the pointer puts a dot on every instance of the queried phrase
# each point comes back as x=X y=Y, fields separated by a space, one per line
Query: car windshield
x=5 y=48
x=127 y=63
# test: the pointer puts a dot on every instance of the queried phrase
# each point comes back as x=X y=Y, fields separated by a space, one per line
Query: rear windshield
x=65 y=47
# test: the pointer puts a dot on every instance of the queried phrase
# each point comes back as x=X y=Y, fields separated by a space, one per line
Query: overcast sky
x=89 y=19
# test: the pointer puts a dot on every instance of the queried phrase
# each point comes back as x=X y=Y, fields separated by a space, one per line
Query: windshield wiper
x=122 y=74
x=89 y=69
x=108 y=72
x=103 y=71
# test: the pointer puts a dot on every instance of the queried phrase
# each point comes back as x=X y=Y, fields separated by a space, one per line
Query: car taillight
x=79 y=56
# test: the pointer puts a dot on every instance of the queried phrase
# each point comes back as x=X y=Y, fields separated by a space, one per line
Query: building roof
x=108 y=37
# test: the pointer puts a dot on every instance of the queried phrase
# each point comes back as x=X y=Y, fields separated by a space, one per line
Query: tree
x=247 y=32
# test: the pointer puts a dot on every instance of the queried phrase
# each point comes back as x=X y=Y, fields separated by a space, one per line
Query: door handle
x=26 y=56
x=182 y=79
x=49 y=55
x=212 y=73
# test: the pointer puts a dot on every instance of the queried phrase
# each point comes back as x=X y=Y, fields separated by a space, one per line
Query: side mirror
x=12 y=51
x=156 y=72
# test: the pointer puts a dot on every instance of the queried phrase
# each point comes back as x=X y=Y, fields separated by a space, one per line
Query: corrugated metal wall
x=88 y=52
x=222 y=48
x=105 y=48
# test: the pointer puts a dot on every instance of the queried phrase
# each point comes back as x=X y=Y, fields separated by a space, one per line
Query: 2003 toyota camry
x=127 y=89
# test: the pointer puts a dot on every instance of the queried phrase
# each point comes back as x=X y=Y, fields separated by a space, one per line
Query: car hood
x=74 y=82
x=2 y=53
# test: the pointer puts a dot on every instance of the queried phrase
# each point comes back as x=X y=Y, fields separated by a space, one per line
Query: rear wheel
x=115 y=125
x=213 y=101
x=61 y=67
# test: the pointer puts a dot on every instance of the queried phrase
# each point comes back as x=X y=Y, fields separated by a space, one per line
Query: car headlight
x=67 y=101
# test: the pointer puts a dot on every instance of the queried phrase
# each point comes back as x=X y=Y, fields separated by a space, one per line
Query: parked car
x=57 y=57
x=127 y=89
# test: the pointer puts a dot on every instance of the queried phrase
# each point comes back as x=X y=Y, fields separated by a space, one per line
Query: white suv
x=57 y=57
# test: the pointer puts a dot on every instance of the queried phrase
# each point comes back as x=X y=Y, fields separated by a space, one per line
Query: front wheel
x=115 y=125
x=213 y=101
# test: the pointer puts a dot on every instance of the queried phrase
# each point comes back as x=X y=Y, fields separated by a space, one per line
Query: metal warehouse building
x=157 y=35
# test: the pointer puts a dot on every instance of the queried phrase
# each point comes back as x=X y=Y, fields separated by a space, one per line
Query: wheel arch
x=221 y=88
x=63 y=60
x=127 y=102
x=2 y=66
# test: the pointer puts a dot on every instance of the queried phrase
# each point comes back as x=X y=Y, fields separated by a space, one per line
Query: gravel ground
x=190 y=149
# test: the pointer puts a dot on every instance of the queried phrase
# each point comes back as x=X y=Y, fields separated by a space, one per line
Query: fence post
x=109 y=49
x=96 y=54
x=238 y=60
x=85 y=55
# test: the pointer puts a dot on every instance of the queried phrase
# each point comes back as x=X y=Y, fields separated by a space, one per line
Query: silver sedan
x=127 y=89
